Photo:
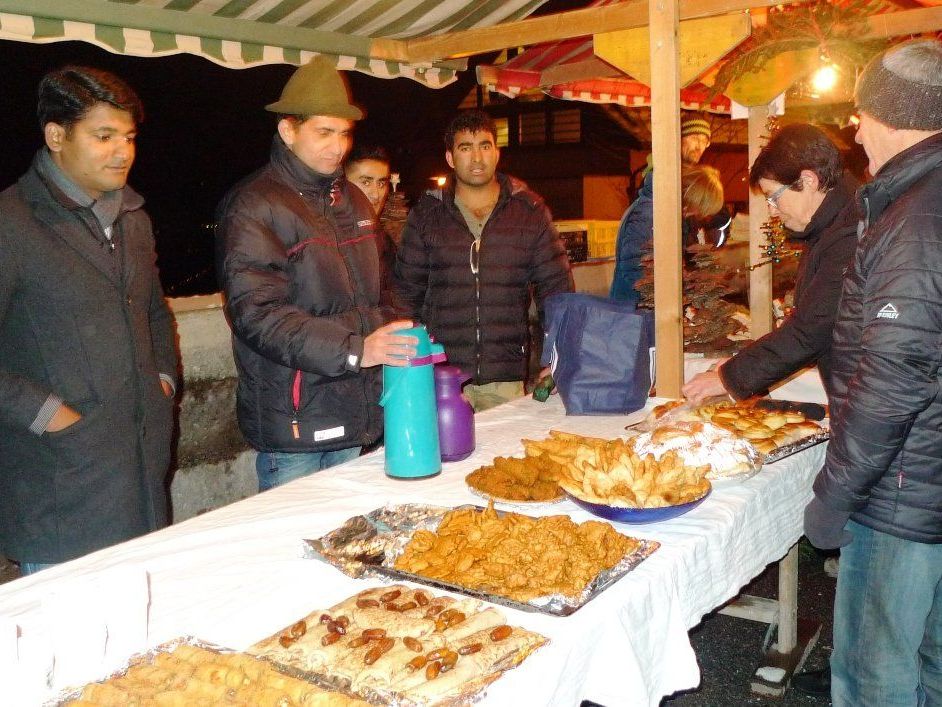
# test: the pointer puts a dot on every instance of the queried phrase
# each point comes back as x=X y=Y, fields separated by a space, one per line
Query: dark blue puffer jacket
x=636 y=229
x=884 y=462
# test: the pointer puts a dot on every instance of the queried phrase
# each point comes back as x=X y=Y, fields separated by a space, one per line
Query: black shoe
x=815 y=682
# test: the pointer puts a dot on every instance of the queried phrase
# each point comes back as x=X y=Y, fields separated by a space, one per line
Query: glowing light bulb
x=824 y=79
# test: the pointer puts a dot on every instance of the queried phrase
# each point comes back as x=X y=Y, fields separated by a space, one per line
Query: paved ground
x=728 y=648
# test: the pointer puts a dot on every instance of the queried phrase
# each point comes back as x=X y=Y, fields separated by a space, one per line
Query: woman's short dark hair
x=67 y=94
x=474 y=121
x=794 y=148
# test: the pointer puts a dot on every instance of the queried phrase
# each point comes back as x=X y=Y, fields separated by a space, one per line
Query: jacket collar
x=299 y=175
x=835 y=202
x=510 y=188
x=69 y=199
x=896 y=177
x=75 y=225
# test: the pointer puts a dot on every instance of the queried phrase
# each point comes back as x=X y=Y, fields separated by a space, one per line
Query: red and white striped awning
x=633 y=94
x=525 y=72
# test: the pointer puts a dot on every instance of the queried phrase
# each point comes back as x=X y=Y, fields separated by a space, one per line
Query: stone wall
x=213 y=465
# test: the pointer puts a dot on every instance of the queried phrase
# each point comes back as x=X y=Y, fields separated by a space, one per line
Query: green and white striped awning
x=242 y=33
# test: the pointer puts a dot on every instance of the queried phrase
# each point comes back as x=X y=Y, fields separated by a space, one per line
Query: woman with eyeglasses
x=801 y=174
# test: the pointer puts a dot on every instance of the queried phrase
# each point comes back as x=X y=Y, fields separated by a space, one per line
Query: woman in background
x=702 y=196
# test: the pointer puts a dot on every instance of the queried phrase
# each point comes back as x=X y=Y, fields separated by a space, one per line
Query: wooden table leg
x=796 y=637
x=788 y=601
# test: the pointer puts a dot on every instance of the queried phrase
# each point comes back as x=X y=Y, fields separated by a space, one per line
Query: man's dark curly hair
x=367 y=151
x=474 y=121
x=67 y=94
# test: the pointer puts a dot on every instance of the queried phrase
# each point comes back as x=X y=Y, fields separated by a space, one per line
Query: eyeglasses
x=772 y=199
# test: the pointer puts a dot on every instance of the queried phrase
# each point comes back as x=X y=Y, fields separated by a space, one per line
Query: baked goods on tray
x=190 y=675
x=404 y=645
x=518 y=480
x=700 y=443
x=513 y=555
x=619 y=477
x=765 y=429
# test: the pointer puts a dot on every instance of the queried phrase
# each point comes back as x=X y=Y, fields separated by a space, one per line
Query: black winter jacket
x=884 y=461
x=480 y=318
x=89 y=324
x=805 y=336
x=298 y=262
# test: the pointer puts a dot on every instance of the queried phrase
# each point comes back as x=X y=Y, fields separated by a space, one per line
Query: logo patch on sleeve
x=888 y=312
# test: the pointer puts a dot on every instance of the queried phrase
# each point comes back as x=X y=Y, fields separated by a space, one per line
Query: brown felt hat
x=316 y=88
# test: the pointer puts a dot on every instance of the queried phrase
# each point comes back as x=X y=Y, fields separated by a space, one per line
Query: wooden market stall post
x=665 y=150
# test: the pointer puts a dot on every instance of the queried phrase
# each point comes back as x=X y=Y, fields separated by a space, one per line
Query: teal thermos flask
x=410 y=412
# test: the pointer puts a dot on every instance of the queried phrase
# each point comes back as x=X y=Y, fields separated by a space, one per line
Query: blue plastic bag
x=600 y=353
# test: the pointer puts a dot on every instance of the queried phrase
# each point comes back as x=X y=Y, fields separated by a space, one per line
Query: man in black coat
x=469 y=256
x=298 y=262
x=87 y=355
x=879 y=494
x=800 y=173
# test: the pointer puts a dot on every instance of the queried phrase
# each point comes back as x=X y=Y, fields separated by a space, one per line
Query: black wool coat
x=91 y=325
x=480 y=317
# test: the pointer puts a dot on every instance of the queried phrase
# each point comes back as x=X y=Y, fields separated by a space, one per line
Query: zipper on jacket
x=475 y=269
x=328 y=213
x=296 y=401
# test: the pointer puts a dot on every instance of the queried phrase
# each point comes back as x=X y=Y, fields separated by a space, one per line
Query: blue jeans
x=887 y=622
x=277 y=468
x=33 y=567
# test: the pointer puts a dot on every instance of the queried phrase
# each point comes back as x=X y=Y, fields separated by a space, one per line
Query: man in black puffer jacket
x=298 y=261
x=880 y=491
x=470 y=254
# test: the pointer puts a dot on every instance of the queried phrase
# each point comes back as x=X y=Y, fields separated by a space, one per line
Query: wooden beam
x=760 y=279
x=665 y=150
x=593 y=68
x=549 y=28
x=895 y=24
x=703 y=42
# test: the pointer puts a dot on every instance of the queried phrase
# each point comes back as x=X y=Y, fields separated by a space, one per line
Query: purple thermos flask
x=455 y=414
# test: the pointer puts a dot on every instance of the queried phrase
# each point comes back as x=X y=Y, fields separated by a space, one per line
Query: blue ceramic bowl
x=637 y=515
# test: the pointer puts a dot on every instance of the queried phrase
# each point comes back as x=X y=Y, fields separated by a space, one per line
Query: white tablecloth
x=236 y=574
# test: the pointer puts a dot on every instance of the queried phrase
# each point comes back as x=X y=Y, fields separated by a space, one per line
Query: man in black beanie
x=879 y=494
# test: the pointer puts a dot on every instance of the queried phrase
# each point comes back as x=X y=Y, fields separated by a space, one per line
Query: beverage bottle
x=455 y=414
x=410 y=413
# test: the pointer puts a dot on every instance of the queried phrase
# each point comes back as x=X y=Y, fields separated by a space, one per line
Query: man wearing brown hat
x=298 y=262
x=879 y=494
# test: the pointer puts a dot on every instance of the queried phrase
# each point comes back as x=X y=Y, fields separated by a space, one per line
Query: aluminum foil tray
x=368 y=545
x=786 y=450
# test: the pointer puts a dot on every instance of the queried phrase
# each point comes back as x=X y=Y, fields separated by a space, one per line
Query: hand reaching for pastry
x=704 y=385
